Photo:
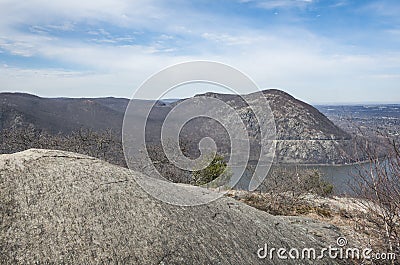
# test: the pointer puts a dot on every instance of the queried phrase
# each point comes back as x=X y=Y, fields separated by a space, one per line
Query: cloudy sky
x=321 y=51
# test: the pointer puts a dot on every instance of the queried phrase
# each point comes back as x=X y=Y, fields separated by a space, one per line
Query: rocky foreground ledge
x=61 y=207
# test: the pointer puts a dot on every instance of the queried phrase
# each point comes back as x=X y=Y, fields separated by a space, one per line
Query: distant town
x=353 y=118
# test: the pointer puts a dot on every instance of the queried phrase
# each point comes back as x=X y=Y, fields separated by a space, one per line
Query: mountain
x=60 y=114
x=65 y=208
x=297 y=120
x=304 y=135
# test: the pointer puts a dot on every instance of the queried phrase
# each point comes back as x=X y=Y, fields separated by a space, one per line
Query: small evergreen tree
x=216 y=168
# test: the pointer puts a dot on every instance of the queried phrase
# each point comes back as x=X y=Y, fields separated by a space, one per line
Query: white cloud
x=228 y=39
x=383 y=8
x=142 y=13
x=308 y=65
x=274 y=4
x=45 y=29
x=300 y=67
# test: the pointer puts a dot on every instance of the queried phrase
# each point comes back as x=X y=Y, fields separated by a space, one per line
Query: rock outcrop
x=61 y=207
x=303 y=134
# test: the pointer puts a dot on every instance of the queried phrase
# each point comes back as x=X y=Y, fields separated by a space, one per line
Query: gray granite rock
x=60 y=207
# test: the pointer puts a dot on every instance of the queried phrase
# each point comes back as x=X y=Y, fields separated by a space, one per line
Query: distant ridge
x=60 y=115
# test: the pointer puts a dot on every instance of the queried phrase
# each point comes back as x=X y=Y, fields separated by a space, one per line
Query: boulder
x=62 y=207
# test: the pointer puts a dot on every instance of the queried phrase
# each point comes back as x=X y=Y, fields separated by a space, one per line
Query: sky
x=321 y=51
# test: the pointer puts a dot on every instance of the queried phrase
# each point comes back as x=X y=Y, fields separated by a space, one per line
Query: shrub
x=296 y=182
x=215 y=169
x=286 y=191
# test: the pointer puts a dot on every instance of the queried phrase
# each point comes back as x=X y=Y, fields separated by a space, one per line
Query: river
x=341 y=176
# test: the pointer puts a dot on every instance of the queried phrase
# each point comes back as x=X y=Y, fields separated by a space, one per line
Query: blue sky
x=319 y=51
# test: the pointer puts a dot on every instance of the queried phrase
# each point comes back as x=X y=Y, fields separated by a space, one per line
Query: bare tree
x=377 y=183
x=105 y=144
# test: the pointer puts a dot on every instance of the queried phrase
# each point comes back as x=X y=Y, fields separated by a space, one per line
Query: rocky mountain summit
x=297 y=120
x=294 y=119
x=61 y=207
x=303 y=134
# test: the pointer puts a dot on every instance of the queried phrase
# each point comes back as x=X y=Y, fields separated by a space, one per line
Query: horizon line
x=327 y=103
